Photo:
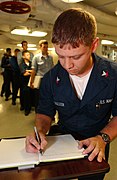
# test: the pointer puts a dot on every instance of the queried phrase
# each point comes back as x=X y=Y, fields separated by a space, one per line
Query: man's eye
x=76 y=57
x=61 y=57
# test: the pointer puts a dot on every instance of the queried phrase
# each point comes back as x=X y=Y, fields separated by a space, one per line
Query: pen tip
x=41 y=151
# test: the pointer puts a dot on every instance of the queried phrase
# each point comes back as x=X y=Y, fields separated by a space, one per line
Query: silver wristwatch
x=105 y=137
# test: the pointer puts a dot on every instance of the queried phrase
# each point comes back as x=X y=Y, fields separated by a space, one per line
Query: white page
x=13 y=154
x=62 y=147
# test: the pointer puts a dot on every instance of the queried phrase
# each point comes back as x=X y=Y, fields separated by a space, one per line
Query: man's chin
x=72 y=73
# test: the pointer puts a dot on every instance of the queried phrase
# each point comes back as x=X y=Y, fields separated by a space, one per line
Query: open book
x=62 y=147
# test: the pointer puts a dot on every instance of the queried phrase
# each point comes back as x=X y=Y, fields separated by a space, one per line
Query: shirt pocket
x=98 y=110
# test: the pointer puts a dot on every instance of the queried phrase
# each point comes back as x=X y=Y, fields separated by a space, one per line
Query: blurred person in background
x=41 y=64
x=15 y=76
x=26 y=93
x=24 y=48
x=7 y=73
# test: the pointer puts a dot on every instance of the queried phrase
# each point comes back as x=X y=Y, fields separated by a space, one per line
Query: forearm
x=111 y=128
x=26 y=73
x=32 y=76
x=43 y=123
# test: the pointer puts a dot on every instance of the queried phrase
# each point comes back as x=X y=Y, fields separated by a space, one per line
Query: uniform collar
x=43 y=56
x=101 y=75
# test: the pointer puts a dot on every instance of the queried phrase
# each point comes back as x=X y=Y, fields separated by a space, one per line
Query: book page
x=62 y=147
x=13 y=154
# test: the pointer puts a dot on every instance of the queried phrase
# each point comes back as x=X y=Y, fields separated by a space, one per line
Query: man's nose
x=68 y=64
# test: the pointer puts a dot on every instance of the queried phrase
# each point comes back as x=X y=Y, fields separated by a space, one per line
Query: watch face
x=105 y=137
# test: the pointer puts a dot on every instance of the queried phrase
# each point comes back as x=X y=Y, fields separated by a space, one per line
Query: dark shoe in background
x=13 y=103
x=1 y=94
x=6 y=99
x=27 y=113
x=21 y=108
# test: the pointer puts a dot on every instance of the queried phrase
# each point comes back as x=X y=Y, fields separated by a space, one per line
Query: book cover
x=37 y=81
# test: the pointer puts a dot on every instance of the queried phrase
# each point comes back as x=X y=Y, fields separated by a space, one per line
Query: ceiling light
x=71 y=1
x=37 y=34
x=51 y=49
x=29 y=45
x=32 y=48
x=24 y=31
x=107 y=42
x=20 y=30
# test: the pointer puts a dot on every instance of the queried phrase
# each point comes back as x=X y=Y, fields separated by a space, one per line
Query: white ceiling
x=43 y=14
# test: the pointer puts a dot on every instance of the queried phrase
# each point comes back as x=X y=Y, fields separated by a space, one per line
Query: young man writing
x=82 y=87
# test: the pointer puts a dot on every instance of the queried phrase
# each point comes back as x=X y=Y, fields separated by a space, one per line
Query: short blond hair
x=43 y=42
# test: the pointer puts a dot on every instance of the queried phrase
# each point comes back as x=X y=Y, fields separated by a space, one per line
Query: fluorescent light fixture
x=29 y=45
x=51 y=49
x=107 y=42
x=32 y=48
x=20 y=31
x=38 y=34
x=71 y=1
x=26 y=32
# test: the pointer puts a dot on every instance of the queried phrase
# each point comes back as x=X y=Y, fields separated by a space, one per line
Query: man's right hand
x=32 y=146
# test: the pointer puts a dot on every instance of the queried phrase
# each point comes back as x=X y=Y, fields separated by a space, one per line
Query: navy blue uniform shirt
x=23 y=67
x=89 y=115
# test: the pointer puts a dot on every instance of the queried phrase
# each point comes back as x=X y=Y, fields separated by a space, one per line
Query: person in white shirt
x=41 y=64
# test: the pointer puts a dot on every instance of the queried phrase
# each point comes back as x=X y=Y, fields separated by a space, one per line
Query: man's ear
x=95 y=44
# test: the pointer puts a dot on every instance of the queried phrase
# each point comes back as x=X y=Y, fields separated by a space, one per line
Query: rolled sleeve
x=34 y=63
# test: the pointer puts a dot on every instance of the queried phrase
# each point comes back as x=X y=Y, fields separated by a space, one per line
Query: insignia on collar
x=57 y=80
x=105 y=73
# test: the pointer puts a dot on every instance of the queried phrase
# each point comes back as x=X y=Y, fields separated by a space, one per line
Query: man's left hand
x=95 y=147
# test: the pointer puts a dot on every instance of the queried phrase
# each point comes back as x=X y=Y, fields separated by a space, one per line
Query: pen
x=38 y=138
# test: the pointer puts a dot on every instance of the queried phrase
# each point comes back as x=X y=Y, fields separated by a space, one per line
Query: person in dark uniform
x=26 y=93
x=7 y=73
x=82 y=87
x=24 y=48
x=15 y=76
